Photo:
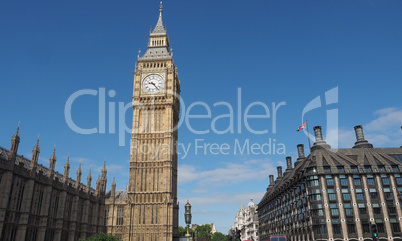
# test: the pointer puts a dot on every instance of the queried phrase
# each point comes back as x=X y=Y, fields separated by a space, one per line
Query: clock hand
x=154 y=85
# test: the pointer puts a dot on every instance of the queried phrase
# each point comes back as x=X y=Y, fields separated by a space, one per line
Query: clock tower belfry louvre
x=148 y=209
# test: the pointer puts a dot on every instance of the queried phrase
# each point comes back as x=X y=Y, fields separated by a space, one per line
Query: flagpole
x=308 y=136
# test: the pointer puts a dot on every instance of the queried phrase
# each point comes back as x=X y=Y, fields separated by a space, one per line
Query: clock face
x=153 y=84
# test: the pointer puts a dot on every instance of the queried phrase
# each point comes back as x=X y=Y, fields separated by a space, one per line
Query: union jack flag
x=302 y=126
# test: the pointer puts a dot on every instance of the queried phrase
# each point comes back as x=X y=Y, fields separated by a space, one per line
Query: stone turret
x=97 y=190
x=113 y=191
x=52 y=163
x=66 y=170
x=35 y=156
x=78 y=180
x=103 y=179
x=15 y=141
x=89 y=180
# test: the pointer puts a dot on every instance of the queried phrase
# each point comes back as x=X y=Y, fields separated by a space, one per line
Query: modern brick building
x=335 y=194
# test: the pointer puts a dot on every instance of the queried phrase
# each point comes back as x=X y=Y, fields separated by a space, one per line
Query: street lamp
x=187 y=216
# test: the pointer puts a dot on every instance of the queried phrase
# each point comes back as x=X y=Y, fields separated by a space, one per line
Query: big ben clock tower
x=152 y=190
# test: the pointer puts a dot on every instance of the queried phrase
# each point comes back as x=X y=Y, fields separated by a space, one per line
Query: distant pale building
x=246 y=220
x=39 y=204
x=213 y=228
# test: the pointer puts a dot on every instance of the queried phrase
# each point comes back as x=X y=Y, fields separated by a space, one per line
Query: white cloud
x=231 y=173
x=224 y=198
x=340 y=138
x=387 y=119
x=383 y=131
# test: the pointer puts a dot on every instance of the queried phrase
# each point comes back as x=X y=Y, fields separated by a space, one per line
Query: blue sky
x=271 y=52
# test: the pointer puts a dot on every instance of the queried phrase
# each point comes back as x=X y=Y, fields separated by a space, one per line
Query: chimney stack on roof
x=279 y=171
x=271 y=179
x=319 y=141
x=360 y=141
x=289 y=162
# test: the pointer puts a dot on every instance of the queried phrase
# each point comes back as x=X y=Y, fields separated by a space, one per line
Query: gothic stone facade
x=335 y=194
x=148 y=209
x=39 y=204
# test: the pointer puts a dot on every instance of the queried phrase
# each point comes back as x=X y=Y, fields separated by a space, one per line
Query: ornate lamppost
x=187 y=216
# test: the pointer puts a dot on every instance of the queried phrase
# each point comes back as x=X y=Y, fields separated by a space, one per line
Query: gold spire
x=161 y=7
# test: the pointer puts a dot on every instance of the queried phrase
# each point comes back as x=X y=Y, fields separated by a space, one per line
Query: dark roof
x=27 y=163
x=332 y=158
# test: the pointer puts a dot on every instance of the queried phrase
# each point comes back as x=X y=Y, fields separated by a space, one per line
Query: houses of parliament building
x=37 y=203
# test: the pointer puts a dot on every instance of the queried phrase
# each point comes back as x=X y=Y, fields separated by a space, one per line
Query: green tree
x=100 y=237
x=204 y=232
x=218 y=237
x=182 y=231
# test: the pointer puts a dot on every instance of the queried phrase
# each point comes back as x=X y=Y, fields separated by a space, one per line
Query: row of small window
x=332 y=196
x=318 y=211
x=351 y=226
x=358 y=182
x=367 y=168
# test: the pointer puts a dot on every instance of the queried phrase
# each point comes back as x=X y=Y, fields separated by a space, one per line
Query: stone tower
x=152 y=190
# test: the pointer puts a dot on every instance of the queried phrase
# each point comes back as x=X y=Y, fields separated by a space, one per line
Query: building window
x=380 y=227
x=327 y=169
x=362 y=208
x=316 y=197
x=388 y=194
x=381 y=168
x=395 y=168
x=351 y=228
x=376 y=208
x=392 y=210
x=106 y=216
x=373 y=193
x=346 y=196
x=367 y=168
x=313 y=183
x=348 y=209
x=366 y=228
x=399 y=180
x=312 y=170
x=359 y=194
x=330 y=182
x=395 y=225
x=344 y=181
x=120 y=216
x=336 y=226
x=331 y=194
x=353 y=168
x=19 y=197
x=334 y=209
x=341 y=169
x=357 y=181
x=397 y=157
x=370 y=181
